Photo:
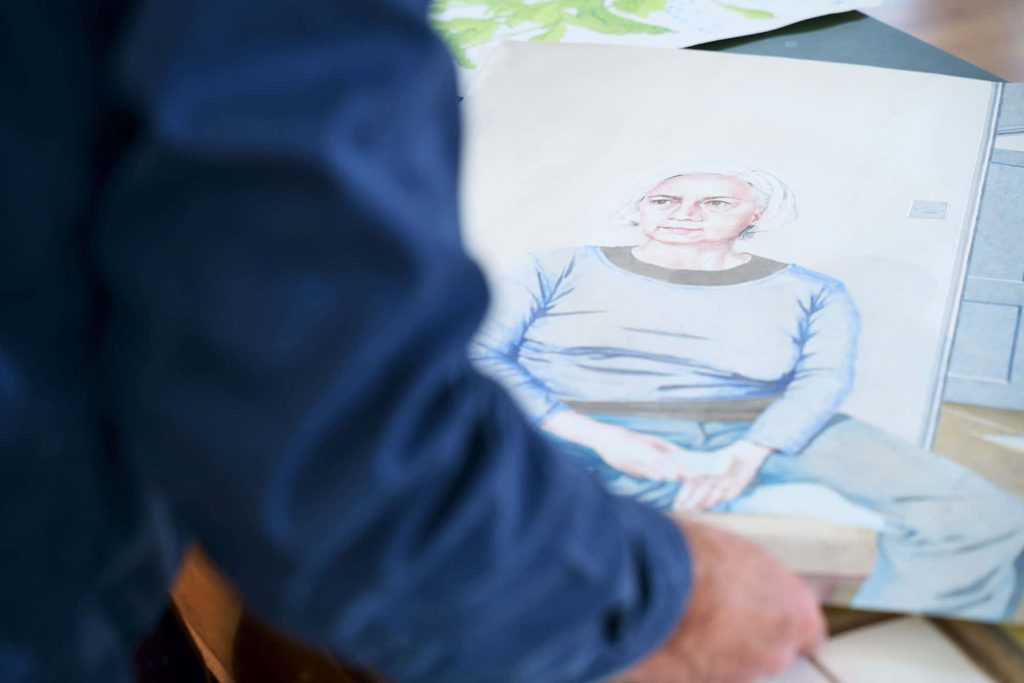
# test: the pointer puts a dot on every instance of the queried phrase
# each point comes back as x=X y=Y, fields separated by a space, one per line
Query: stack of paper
x=908 y=650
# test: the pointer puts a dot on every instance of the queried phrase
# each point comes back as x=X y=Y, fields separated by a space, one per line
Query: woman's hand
x=642 y=455
x=638 y=455
x=701 y=493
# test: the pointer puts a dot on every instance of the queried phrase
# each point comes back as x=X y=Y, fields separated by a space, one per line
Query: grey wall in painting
x=987 y=364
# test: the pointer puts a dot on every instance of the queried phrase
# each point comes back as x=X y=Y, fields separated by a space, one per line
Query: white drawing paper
x=561 y=139
x=908 y=650
x=473 y=27
x=725 y=283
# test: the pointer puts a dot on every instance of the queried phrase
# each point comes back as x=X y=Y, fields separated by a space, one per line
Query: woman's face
x=688 y=209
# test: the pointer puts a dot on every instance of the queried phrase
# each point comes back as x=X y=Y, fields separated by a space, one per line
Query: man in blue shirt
x=234 y=307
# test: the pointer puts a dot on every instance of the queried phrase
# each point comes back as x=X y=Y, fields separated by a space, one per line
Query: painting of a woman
x=687 y=373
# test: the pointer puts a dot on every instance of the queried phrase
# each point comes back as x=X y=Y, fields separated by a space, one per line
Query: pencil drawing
x=689 y=374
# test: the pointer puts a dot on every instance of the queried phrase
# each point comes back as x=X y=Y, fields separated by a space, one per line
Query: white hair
x=775 y=201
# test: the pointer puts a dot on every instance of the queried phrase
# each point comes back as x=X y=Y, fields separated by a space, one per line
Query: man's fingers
x=816 y=632
x=748 y=615
x=812 y=630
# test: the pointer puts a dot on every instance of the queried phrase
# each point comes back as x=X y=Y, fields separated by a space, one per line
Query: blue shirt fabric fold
x=236 y=309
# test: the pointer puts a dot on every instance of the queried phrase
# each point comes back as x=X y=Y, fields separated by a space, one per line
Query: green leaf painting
x=482 y=21
x=748 y=12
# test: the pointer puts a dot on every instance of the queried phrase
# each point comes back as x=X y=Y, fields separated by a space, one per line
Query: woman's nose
x=690 y=212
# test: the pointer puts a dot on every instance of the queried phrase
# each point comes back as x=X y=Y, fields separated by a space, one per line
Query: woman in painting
x=686 y=373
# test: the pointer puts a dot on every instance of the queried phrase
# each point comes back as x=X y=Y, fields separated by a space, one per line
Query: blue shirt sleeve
x=290 y=311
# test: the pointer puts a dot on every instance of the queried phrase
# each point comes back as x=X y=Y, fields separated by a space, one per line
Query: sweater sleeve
x=520 y=298
x=823 y=374
x=290 y=308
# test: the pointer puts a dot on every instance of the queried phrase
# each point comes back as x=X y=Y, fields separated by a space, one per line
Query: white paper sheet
x=909 y=650
x=473 y=27
x=866 y=178
x=559 y=137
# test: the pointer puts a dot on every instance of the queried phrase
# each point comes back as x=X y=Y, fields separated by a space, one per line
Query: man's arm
x=290 y=311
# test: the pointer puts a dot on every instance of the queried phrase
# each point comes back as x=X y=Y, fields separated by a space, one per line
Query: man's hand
x=701 y=493
x=748 y=616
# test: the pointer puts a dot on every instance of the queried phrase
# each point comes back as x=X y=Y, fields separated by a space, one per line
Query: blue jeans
x=949 y=540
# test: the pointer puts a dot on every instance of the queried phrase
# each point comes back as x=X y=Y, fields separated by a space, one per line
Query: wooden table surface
x=987 y=33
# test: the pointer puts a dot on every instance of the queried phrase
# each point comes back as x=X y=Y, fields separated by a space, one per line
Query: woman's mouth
x=679 y=229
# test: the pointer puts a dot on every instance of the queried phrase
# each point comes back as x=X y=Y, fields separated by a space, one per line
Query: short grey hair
x=774 y=198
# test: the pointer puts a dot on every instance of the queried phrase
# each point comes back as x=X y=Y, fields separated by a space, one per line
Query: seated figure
x=689 y=374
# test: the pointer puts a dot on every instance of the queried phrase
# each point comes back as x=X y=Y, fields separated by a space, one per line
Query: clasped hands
x=709 y=478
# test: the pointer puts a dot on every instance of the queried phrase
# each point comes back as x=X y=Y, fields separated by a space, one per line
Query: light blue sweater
x=572 y=326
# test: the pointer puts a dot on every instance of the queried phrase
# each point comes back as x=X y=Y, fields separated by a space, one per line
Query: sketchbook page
x=907 y=650
x=882 y=165
x=473 y=27
x=725 y=283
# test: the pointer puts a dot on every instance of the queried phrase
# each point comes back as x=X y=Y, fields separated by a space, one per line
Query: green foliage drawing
x=748 y=12
x=539 y=20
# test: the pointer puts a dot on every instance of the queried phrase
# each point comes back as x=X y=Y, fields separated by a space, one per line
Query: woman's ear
x=749 y=231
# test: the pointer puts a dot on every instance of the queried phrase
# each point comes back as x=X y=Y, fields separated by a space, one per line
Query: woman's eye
x=717 y=203
x=659 y=202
